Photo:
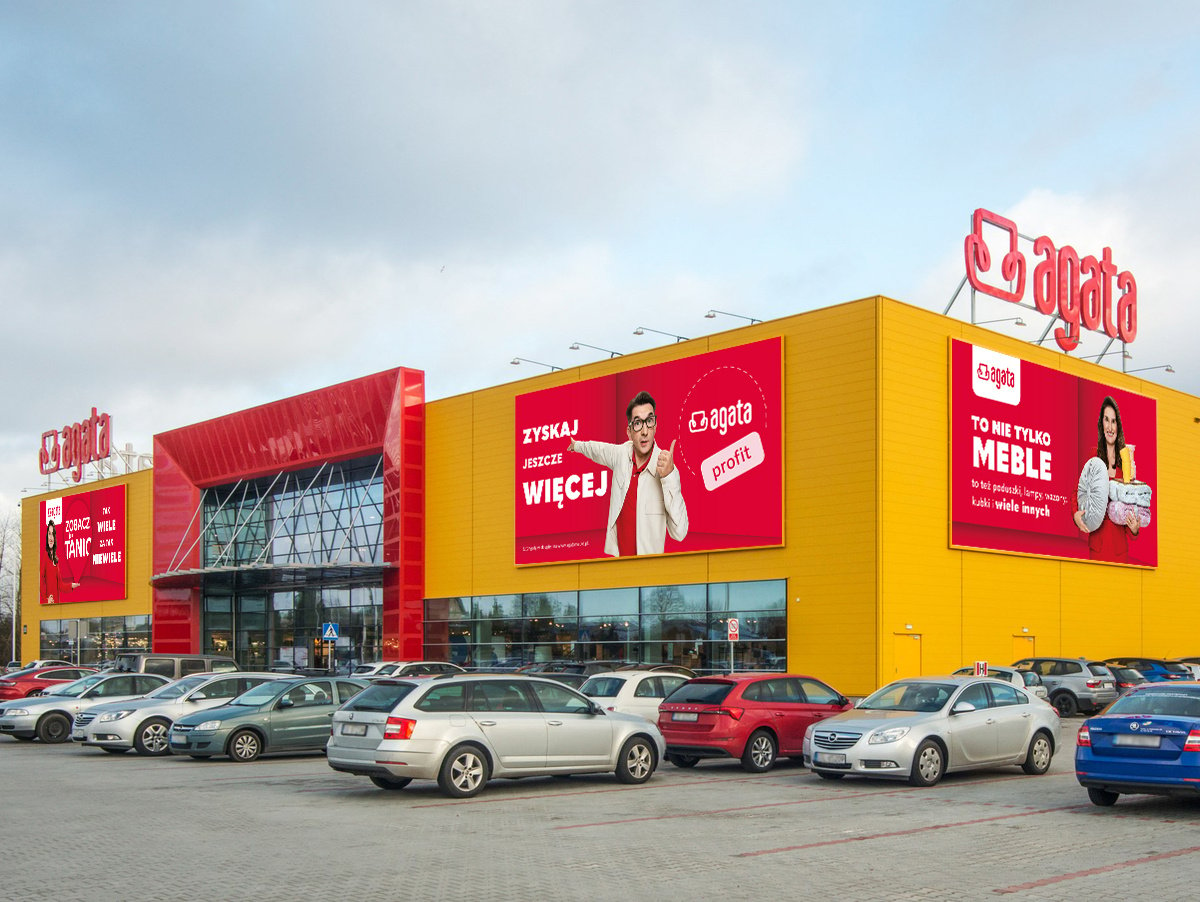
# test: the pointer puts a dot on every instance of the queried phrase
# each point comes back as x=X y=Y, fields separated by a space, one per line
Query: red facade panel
x=379 y=414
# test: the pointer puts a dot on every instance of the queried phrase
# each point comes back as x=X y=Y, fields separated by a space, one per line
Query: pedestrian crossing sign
x=329 y=632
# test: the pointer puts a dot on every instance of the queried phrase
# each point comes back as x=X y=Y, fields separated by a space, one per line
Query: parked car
x=38 y=664
x=587 y=668
x=48 y=717
x=1026 y=679
x=403 y=669
x=1155 y=670
x=32 y=682
x=1147 y=741
x=1192 y=664
x=1126 y=678
x=143 y=724
x=465 y=729
x=174 y=666
x=664 y=668
x=289 y=715
x=922 y=728
x=1074 y=684
x=633 y=691
x=754 y=717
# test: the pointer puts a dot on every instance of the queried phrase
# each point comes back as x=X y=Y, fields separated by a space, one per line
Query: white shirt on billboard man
x=646 y=501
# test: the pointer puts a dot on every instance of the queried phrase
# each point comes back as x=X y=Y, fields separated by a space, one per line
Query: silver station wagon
x=464 y=729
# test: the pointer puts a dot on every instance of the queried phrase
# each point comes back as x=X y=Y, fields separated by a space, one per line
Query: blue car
x=1155 y=670
x=1147 y=741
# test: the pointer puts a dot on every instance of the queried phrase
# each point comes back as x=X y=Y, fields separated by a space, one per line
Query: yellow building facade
x=874 y=589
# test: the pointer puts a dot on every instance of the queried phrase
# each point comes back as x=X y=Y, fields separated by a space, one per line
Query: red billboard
x=675 y=457
x=1046 y=463
x=82 y=547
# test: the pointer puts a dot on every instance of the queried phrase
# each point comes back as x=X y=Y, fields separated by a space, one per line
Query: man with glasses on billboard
x=646 y=501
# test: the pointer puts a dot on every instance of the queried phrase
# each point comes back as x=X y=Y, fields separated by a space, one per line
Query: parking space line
x=1108 y=868
x=912 y=832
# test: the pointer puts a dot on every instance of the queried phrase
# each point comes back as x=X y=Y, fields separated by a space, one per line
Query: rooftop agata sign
x=1079 y=290
x=75 y=445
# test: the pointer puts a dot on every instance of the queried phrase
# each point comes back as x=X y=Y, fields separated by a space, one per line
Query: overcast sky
x=209 y=206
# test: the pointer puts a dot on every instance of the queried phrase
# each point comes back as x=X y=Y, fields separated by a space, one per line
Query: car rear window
x=1172 y=667
x=701 y=692
x=380 y=696
x=1100 y=670
x=1151 y=702
x=603 y=687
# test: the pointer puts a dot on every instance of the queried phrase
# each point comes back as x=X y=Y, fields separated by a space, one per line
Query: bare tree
x=10 y=570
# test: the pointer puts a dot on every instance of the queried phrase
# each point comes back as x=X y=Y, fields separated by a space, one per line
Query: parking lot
x=80 y=824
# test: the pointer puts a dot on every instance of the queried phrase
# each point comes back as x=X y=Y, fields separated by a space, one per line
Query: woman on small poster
x=1109 y=541
x=51 y=581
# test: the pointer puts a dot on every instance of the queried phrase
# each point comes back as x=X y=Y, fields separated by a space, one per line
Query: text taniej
x=561 y=489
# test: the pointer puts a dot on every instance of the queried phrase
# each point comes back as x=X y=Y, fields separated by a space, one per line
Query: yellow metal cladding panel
x=972 y=605
x=139 y=529
x=829 y=555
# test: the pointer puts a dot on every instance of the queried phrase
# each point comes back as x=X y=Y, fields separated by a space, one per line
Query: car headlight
x=208 y=726
x=888 y=735
x=110 y=716
x=15 y=712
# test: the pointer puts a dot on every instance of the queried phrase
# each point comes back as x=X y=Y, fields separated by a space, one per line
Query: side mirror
x=596 y=709
x=197 y=697
x=286 y=702
x=962 y=708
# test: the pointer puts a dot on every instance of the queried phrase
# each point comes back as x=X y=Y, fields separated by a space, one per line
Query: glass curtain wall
x=302 y=549
x=685 y=624
x=92 y=640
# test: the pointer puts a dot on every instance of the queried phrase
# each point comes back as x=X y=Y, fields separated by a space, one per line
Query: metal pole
x=16 y=587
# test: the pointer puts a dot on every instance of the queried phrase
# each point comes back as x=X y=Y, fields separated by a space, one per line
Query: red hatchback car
x=752 y=716
x=24 y=683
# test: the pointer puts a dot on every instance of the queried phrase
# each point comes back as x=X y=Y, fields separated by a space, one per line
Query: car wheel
x=54 y=728
x=1041 y=750
x=464 y=772
x=114 y=751
x=1065 y=704
x=1102 y=797
x=683 y=760
x=245 y=746
x=826 y=775
x=760 y=752
x=151 y=737
x=392 y=783
x=929 y=763
x=636 y=762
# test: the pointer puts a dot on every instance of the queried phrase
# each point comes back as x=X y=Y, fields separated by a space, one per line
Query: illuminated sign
x=1077 y=289
x=699 y=468
x=1045 y=463
x=82 y=547
x=81 y=443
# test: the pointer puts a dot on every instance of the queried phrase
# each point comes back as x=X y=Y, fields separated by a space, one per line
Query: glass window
x=817 y=693
x=499 y=696
x=443 y=698
x=701 y=692
x=1005 y=695
x=975 y=694
x=225 y=688
x=559 y=700
x=602 y=687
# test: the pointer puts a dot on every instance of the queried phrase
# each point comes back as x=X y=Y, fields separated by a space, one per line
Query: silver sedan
x=922 y=728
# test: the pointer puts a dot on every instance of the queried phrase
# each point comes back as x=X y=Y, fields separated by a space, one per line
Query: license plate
x=354 y=729
x=178 y=740
x=1138 y=741
x=685 y=715
x=830 y=758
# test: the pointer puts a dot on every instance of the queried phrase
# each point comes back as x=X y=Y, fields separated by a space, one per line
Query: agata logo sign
x=1079 y=290
x=81 y=443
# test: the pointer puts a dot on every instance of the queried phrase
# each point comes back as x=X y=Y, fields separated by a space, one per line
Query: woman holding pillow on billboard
x=1108 y=541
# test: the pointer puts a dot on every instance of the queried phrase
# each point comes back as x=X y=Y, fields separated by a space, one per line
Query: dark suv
x=1155 y=670
x=1073 y=684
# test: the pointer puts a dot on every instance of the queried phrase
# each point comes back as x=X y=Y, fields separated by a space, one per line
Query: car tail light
x=735 y=713
x=1084 y=739
x=1193 y=742
x=1094 y=684
x=399 y=728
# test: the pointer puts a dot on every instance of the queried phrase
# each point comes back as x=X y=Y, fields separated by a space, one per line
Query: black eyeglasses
x=637 y=423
